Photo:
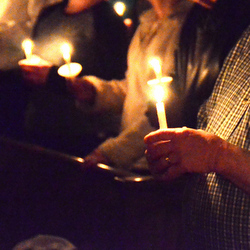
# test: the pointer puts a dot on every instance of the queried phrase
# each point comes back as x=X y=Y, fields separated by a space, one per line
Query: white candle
x=161 y=115
x=159 y=92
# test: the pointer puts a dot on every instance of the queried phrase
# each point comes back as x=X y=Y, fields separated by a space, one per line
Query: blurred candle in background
x=119 y=8
x=31 y=59
x=28 y=46
x=66 y=50
x=69 y=69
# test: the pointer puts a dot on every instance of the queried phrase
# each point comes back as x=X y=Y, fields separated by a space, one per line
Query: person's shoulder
x=147 y=15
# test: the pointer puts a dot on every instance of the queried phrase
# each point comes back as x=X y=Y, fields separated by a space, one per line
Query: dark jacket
x=98 y=36
x=206 y=38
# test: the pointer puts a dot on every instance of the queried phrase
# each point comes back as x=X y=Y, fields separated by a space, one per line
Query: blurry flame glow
x=103 y=166
x=120 y=8
x=28 y=46
x=81 y=160
x=3 y=7
x=159 y=89
x=138 y=179
x=156 y=64
x=66 y=50
x=158 y=93
x=128 y=22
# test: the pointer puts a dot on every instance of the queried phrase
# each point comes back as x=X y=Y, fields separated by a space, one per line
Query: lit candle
x=66 y=50
x=31 y=59
x=69 y=69
x=28 y=46
x=159 y=92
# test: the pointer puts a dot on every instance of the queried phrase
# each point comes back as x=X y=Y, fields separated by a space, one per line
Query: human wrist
x=220 y=156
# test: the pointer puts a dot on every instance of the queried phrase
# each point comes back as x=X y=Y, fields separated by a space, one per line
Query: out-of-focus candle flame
x=158 y=93
x=128 y=22
x=68 y=70
x=66 y=50
x=120 y=8
x=156 y=65
x=28 y=46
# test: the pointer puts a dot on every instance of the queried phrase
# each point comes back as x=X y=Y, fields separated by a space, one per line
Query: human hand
x=174 y=152
x=82 y=89
x=91 y=160
x=35 y=71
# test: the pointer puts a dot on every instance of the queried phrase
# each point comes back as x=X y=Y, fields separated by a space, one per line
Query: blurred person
x=157 y=35
x=192 y=42
x=16 y=21
x=99 y=41
x=216 y=157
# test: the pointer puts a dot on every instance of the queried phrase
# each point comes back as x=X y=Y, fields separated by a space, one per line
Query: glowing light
x=34 y=60
x=66 y=50
x=128 y=22
x=70 y=70
x=158 y=91
x=156 y=64
x=103 y=166
x=28 y=46
x=120 y=8
x=3 y=7
x=79 y=159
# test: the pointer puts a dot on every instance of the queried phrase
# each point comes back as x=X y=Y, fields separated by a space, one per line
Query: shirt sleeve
x=128 y=147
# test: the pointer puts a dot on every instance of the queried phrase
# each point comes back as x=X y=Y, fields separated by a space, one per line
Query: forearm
x=109 y=95
x=234 y=164
x=125 y=149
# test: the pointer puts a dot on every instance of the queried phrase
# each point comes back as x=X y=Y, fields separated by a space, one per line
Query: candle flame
x=120 y=8
x=156 y=64
x=66 y=50
x=28 y=46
